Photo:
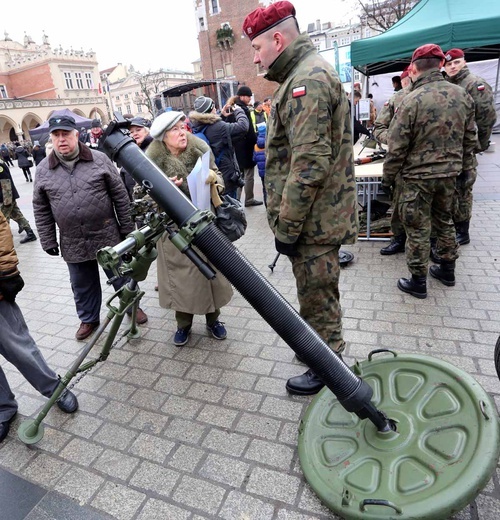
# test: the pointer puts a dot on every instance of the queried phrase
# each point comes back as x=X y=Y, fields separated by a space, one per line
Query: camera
x=237 y=178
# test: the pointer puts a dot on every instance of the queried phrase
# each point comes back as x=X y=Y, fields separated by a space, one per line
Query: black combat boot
x=397 y=245
x=445 y=272
x=433 y=254
x=30 y=236
x=416 y=286
x=462 y=229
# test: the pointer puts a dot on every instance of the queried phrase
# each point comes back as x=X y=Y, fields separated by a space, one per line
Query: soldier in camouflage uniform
x=8 y=204
x=312 y=207
x=381 y=128
x=484 y=104
x=431 y=140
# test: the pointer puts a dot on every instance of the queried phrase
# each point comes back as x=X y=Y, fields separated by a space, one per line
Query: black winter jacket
x=216 y=132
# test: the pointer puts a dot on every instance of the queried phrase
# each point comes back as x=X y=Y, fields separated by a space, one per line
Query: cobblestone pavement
x=208 y=431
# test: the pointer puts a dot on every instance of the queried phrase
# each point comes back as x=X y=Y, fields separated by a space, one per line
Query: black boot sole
x=421 y=296
x=389 y=253
x=313 y=390
x=448 y=283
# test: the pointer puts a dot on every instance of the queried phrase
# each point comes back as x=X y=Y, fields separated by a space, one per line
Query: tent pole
x=496 y=81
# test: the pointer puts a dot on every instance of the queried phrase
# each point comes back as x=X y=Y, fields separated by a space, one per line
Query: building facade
x=37 y=79
x=129 y=92
x=226 y=53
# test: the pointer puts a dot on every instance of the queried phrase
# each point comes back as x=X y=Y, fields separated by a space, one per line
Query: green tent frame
x=465 y=24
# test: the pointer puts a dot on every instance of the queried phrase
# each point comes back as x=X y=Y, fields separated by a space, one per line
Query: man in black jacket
x=244 y=147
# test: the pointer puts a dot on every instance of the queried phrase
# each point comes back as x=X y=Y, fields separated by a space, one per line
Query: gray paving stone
x=282 y=408
x=183 y=430
x=205 y=392
x=152 y=448
x=225 y=470
x=157 y=509
x=186 y=458
x=148 y=399
x=273 y=484
x=115 y=436
x=270 y=453
x=81 y=452
x=249 y=401
x=226 y=442
x=152 y=477
x=199 y=494
x=258 y=426
x=45 y=470
x=118 y=500
x=149 y=422
x=116 y=464
x=79 y=484
x=172 y=385
x=217 y=416
x=235 y=379
x=242 y=506
x=122 y=413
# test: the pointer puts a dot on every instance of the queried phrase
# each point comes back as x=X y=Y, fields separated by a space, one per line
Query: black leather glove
x=286 y=249
x=53 y=251
x=467 y=178
x=10 y=287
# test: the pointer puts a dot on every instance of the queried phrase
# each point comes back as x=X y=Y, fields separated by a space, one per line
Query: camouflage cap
x=264 y=18
x=454 y=54
x=429 y=50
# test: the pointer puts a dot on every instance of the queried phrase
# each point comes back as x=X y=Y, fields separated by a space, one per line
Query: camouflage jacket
x=484 y=104
x=387 y=113
x=433 y=133
x=8 y=191
x=8 y=256
x=309 y=169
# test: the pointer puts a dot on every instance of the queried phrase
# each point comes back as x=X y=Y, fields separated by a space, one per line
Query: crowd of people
x=301 y=142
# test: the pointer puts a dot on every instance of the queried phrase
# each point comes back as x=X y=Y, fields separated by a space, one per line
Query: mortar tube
x=352 y=392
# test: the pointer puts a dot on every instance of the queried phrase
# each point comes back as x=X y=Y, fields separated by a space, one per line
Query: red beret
x=262 y=19
x=453 y=54
x=405 y=73
x=430 y=50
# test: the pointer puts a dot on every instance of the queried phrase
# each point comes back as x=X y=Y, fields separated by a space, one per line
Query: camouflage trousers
x=317 y=272
x=13 y=212
x=397 y=227
x=426 y=204
x=462 y=202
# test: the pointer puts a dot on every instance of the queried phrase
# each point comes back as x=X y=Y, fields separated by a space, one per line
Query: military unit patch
x=480 y=87
x=299 y=91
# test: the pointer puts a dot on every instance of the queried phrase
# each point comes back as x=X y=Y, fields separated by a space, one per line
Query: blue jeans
x=18 y=347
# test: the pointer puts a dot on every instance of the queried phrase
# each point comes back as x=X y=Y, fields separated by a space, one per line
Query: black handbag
x=30 y=163
x=230 y=218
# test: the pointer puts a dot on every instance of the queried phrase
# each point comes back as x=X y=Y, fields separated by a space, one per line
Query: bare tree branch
x=380 y=15
x=151 y=84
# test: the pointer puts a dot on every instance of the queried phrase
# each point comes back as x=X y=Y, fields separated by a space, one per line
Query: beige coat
x=181 y=286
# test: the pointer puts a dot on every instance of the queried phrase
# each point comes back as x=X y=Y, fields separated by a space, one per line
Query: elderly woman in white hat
x=181 y=286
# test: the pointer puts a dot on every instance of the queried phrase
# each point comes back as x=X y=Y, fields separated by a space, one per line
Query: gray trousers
x=19 y=348
x=249 y=174
x=86 y=286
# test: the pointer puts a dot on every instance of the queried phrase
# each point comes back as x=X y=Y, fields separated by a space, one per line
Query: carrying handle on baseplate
x=379 y=502
x=378 y=350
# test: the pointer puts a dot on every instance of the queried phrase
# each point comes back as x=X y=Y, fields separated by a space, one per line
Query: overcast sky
x=148 y=35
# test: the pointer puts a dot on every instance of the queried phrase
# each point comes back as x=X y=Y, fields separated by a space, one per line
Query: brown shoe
x=140 y=317
x=86 y=330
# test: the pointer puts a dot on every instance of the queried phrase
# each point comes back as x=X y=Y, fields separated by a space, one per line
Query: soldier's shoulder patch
x=386 y=104
x=299 y=91
x=480 y=87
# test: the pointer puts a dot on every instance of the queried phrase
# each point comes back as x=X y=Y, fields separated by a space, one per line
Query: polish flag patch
x=480 y=87
x=299 y=91
x=386 y=104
